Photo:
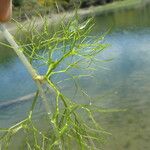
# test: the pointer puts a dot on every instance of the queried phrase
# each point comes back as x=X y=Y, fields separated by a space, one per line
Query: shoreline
x=92 y=10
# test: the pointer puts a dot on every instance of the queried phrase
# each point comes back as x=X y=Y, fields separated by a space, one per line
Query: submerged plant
x=52 y=58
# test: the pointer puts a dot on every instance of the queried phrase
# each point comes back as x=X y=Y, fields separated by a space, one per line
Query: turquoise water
x=122 y=83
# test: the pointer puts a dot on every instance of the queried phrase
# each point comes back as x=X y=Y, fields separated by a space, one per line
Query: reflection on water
x=125 y=82
x=15 y=82
x=6 y=55
x=128 y=83
x=131 y=18
x=14 y=78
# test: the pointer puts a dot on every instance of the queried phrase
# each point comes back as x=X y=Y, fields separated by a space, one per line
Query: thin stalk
x=26 y=63
x=18 y=51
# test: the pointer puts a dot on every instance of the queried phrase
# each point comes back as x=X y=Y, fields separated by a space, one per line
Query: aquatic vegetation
x=69 y=51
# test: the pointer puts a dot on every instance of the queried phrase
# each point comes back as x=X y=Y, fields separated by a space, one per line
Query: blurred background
x=28 y=8
x=122 y=83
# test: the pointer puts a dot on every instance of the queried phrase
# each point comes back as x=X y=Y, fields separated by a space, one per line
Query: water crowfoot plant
x=52 y=58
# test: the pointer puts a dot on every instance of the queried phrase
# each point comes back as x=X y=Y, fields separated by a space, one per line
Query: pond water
x=122 y=83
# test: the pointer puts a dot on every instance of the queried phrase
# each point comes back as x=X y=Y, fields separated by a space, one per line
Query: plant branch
x=37 y=78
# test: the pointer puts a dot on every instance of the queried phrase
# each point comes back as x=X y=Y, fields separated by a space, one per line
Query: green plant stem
x=26 y=63
x=18 y=51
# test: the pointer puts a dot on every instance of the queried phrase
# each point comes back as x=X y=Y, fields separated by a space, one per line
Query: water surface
x=126 y=83
x=123 y=82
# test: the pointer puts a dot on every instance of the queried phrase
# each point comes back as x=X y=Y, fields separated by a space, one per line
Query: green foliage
x=28 y=8
x=17 y=3
x=68 y=51
x=65 y=3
